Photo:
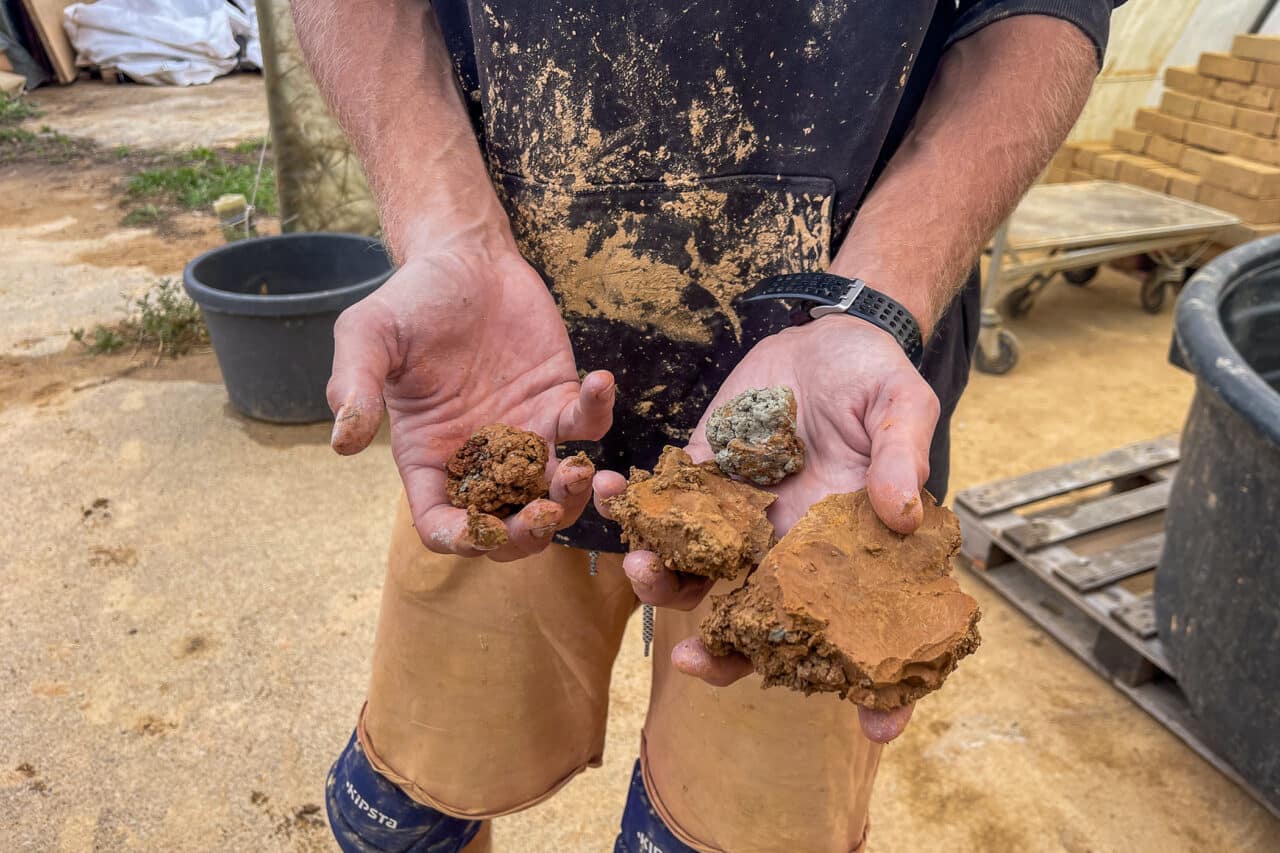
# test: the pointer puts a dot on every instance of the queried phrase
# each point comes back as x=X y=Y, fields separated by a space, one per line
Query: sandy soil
x=67 y=260
x=188 y=597
x=228 y=110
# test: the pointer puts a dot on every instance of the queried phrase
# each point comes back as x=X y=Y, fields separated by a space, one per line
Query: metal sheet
x=1093 y=213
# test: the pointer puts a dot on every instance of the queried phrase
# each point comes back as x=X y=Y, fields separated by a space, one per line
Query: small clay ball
x=498 y=470
x=754 y=436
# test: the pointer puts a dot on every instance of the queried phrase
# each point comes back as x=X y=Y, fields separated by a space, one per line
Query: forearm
x=1001 y=104
x=387 y=76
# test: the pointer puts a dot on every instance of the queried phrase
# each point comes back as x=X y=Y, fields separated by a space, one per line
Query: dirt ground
x=188 y=597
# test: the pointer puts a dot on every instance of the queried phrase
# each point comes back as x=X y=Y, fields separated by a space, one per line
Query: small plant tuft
x=100 y=340
x=14 y=110
x=163 y=318
x=250 y=146
x=199 y=177
x=148 y=214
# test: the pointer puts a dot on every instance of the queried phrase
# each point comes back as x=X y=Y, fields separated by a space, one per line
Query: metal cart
x=1072 y=229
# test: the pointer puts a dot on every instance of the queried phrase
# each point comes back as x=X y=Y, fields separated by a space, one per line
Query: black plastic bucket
x=1218 y=585
x=270 y=304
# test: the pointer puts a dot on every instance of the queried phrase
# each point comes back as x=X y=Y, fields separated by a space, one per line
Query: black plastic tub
x=1218 y=585
x=270 y=304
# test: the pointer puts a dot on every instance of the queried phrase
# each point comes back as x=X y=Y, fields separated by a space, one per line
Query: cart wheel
x=1017 y=303
x=1080 y=277
x=1152 y=294
x=1006 y=357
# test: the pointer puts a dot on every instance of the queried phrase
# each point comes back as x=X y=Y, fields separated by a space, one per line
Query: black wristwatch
x=832 y=294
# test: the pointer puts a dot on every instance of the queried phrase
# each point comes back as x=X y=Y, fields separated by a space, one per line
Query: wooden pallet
x=1075 y=548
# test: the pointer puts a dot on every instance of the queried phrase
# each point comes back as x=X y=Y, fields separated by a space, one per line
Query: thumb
x=363 y=338
x=589 y=416
x=884 y=726
x=901 y=430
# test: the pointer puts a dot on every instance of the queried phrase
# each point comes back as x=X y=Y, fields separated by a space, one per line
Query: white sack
x=162 y=42
x=244 y=26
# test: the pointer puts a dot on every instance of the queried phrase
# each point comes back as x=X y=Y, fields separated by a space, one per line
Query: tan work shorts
x=490 y=691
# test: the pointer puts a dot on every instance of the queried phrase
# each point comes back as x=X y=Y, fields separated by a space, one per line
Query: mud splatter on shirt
x=659 y=159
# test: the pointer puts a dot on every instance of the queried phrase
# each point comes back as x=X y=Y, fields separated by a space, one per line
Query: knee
x=370 y=814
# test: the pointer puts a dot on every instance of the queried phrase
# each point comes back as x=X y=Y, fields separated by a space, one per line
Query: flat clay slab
x=842 y=604
x=694 y=518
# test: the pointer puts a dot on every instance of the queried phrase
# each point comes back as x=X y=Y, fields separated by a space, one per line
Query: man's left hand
x=866 y=417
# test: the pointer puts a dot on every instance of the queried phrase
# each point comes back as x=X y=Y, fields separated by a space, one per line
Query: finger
x=606 y=485
x=698 y=448
x=530 y=530
x=884 y=726
x=571 y=487
x=901 y=431
x=441 y=527
x=361 y=361
x=692 y=658
x=661 y=587
x=589 y=417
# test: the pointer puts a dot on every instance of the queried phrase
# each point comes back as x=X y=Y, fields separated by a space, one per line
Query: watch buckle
x=845 y=303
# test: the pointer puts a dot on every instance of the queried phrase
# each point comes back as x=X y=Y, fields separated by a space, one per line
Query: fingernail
x=577 y=487
x=543 y=532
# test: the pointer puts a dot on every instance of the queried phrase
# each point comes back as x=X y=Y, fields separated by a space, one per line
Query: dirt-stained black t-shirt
x=657 y=159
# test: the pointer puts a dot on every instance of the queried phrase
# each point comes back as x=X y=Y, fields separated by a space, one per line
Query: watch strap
x=832 y=293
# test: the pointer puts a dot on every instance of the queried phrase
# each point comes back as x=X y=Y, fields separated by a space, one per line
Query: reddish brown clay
x=497 y=470
x=845 y=605
x=484 y=530
x=694 y=518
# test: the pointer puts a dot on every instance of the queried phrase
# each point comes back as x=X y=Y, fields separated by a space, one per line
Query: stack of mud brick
x=1214 y=139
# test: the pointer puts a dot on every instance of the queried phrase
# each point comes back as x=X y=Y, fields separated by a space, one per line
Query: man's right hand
x=453 y=341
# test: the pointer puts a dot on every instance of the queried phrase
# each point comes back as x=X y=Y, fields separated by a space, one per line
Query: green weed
x=100 y=340
x=148 y=214
x=18 y=143
x=250 y=146
x=14 y=110
x=199 y=177
x=163 y=319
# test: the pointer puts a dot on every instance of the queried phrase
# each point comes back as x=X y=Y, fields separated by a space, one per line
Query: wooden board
x=1059 y=525
x=46 y=17
x=1125 y=461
